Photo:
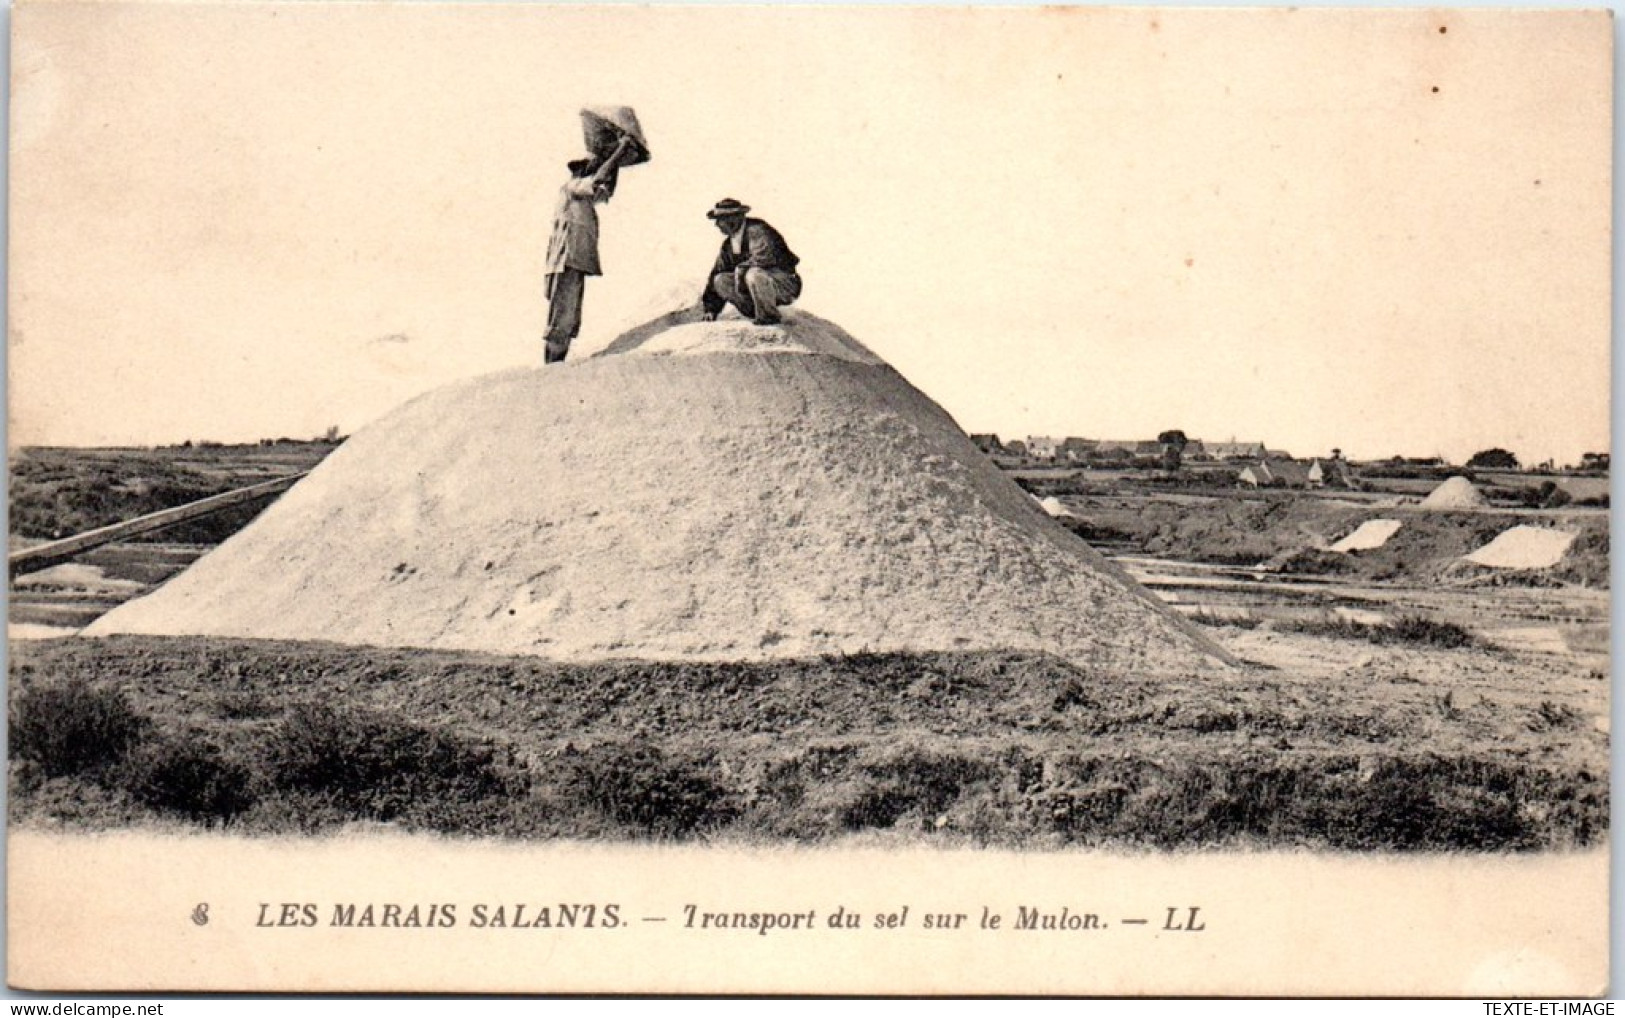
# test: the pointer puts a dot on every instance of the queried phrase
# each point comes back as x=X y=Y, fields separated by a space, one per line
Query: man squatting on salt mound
x=755 y=271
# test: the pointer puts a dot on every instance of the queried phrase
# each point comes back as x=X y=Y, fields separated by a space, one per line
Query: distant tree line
x=330 y=437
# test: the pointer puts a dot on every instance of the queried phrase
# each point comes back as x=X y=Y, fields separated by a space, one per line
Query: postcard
x=1043 y=501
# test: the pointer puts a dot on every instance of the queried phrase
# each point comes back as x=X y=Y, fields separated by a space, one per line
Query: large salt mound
x=1455 y=493
x=1524 y=547
x=1368 y=536
x=728 y=503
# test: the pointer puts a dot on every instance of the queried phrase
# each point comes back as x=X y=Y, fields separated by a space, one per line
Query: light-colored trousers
x=564 y=292
x=766 y=291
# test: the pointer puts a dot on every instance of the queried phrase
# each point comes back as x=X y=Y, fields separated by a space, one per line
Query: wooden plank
x=43 y=556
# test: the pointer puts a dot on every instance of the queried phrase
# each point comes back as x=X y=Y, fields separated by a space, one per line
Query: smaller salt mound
x=1369 y=535
x=1524 y=548
x=1455 y=493
x=35 y=631
x=78 y=576
x=1053 y=506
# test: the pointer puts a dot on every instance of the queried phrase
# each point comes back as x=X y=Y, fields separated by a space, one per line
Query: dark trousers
x=766 y=290
x=564 y=293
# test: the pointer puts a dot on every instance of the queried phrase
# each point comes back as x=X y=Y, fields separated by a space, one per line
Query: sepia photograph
x=510 y=498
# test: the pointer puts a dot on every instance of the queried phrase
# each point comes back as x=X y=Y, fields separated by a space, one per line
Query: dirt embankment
x=985 y=748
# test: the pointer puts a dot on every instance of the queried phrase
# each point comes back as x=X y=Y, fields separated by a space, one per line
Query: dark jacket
x=764 y=248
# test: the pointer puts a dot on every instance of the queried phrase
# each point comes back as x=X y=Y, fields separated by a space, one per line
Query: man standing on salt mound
x=572 y=252
x=755 y=270
x=615 y=139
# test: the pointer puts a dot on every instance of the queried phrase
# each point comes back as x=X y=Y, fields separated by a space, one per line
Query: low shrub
x=377 y=766
x=1312 y=562
x=1587 y=560
x=1413 y=629
x=1209 y=617
x=917 y=782
x=190 y=775
x=1097 y=533
x=1419 y=629
x=1409 y=803
x=1334 y=626
x=72 y=727
x=1428 y=804
x=643 y=788
x=242 y=705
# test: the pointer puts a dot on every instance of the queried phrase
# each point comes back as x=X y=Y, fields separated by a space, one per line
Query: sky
x=1385 y=230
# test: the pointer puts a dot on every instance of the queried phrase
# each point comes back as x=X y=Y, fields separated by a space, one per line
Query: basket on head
x=604 y=126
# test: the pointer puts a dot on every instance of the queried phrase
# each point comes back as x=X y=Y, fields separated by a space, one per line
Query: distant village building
x=1074 y=449
x=1107 y=445
x=1236 y=450
x=1330 y=473
x=1275 y=473
x=1041 y=447
x=1108 y=450
x=1077 y=450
